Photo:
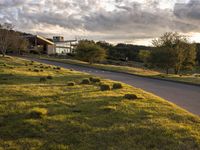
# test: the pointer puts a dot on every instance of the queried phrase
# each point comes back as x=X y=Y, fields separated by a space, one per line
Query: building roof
x=44 y=39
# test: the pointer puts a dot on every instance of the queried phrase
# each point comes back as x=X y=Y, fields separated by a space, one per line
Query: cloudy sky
x=129 y=21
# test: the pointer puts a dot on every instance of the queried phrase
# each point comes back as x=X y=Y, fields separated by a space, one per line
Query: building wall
x=50 y=49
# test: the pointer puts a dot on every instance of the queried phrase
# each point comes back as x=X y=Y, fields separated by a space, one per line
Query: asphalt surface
x=186 y=96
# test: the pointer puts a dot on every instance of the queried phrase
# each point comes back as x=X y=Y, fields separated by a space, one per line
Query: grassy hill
x=38 y=110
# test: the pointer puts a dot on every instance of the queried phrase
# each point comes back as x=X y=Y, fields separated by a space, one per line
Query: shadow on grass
x=13 y=79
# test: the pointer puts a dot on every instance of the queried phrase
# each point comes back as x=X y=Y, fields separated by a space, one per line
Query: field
x=38 y=110
x=136 y=70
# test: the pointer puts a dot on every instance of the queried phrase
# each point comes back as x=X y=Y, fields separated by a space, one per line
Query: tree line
x=170 y=51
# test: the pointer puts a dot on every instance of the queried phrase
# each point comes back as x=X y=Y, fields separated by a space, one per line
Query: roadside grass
x=82 y=116
x=186 y=78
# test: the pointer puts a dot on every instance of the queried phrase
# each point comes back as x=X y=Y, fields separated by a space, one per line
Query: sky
x=115 y=21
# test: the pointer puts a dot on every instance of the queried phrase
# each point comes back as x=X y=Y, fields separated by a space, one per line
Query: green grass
x=82 y=116
x=137 y=70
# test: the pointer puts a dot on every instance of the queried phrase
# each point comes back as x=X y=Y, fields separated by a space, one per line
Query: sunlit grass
x=82 y=116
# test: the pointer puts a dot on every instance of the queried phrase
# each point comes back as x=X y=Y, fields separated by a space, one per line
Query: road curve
x=186 y=96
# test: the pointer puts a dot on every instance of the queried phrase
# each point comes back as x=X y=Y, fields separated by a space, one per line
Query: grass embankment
x=41 y=113
x=186 y=78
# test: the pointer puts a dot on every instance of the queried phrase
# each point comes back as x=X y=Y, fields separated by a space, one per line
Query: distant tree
x=144 y=55
x=161 y=58
x=90 y=52
x=6 y=37
x=179 y=52
x=22 y=45
x=198 y=53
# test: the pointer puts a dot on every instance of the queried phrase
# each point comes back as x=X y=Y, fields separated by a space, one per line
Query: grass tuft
x=38 y=113
x=71 y=84
x=130 y=96
x=85 y=81
x=117 y=86
x=105 y=87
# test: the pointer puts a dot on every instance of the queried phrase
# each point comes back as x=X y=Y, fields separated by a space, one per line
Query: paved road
x=186 y=96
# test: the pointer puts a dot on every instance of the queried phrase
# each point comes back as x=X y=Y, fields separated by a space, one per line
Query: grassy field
x=187 y=78
x=41 y=113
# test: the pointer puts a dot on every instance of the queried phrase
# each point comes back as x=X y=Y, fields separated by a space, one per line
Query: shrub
x=41 y=70
x=36 y=70
x=85 y=81
x=104 y=87
x=117 y=86
x=29 y=69
x=49 y=77
x=41 y=66
x=58 y=68
x=70 y=84
x=43 y=79
x=130 y=96
x=38 y=112
x=95 y=80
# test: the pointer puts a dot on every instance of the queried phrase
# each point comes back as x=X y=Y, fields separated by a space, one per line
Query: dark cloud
x=191 y=10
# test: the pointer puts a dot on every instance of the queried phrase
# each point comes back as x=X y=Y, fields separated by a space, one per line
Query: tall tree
x=179 y=52
x=89 y=51
x=5 y=37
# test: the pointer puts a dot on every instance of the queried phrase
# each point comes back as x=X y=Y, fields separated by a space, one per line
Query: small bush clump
x=49 y=77
x=41 y=70
x=58 y=68
x=104 y=87
x=117 y=86
x=130 y=96
x=95 y=80
x=36 y=70
x=70 y=83
x=29 y=69
x=85 y=81
x=43 y=79
x=38 y=112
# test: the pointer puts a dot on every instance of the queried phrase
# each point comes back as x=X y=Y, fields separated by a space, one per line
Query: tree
x=179 y=52
x=161 y=58
x=5 y=37
x=22 y=45
x=89 y=51
x=144 y=55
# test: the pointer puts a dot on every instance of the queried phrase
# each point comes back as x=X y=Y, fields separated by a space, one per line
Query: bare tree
x=5 y=37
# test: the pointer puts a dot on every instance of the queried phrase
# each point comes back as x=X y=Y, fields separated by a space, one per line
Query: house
x=40 y=44
x=64 y=47
x=57 y=45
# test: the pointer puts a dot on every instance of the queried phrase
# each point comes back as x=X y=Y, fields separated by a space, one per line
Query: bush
x=70 y=84
x=41 y=70
x=117 y=86
x=85 y=81
x=95 y=80
x=49 y=77
x=58 y=68
x=130 y=96
x=43 y=79
x=36 y=70
x=29 y=69
x=104 y=87
x=38 y=112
